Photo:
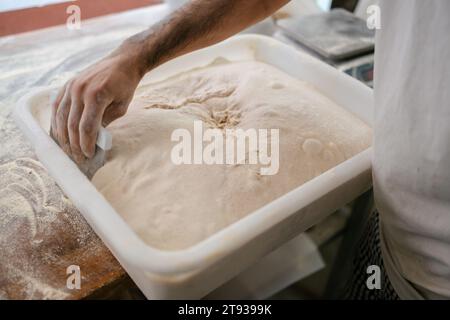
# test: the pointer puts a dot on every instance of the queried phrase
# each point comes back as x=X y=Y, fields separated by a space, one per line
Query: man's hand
x=97 y=96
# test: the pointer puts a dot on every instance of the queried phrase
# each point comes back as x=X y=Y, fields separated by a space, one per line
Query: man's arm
x=102 y=92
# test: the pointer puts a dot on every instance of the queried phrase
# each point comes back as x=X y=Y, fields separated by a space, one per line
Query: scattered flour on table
x=40 y=230
x=171 y=206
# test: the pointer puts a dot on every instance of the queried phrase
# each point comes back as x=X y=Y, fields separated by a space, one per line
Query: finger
x=89 y=125
x=73 y=125
x=62 y=115
x=113 y=112
x=55 y=105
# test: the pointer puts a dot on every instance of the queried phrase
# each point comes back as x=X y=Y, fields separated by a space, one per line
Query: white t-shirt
x=411 y=166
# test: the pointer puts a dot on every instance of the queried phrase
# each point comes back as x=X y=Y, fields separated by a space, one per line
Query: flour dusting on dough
x=173 y=207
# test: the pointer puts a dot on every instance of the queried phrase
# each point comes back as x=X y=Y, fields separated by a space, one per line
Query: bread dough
x=172 y=207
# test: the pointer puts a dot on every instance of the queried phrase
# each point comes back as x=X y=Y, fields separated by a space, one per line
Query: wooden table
x=41 y=232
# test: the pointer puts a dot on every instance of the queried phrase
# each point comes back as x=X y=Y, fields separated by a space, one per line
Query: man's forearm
x=198 y=24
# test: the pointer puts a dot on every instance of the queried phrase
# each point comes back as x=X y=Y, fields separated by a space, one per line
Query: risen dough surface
x=173 y=207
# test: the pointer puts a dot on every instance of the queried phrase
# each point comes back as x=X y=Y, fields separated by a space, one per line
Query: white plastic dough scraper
x=104 y=143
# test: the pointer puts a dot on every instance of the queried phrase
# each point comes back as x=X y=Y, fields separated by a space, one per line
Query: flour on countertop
x=40 y=231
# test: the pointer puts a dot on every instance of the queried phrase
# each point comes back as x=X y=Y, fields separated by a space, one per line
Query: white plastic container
x=196 y=271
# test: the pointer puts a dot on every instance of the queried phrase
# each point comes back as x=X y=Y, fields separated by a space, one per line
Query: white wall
x=9 y=5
